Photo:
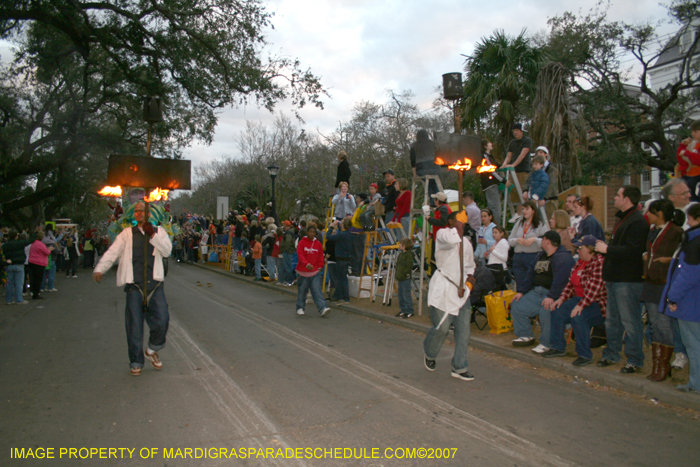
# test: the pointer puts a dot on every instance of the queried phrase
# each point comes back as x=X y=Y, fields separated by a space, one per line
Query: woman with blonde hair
x=560 y=223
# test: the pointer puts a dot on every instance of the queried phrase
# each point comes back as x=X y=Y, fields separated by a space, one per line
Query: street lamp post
x=273 y=169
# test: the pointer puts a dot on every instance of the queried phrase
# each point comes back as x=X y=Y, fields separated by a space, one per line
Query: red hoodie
x=309 y=252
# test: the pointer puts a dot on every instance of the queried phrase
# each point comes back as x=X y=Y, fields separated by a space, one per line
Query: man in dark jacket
x=341 y=237
x=13 y=250
x=543 y=284
x=622 y=272
x=288 y=249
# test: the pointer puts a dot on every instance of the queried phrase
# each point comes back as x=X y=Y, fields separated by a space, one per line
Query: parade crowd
x=640 y=278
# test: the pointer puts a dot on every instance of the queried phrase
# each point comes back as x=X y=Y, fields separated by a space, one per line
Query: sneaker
x=74 y=276
x=325 y=311
x=154 y=358
x=429 y=364
x=604 y=363
x=680 y=361
x=400 y=314
x=300 y=312
x=54 y=290
x=279 y=283
x=580 y=361
x=9 y=303
x=407 y=315
x=629 y=369
x=23 y=302
x=136 y=371
x=523 y=342
x=466 y=376
x=540 y=349
x=554 y=353
x=686 y=388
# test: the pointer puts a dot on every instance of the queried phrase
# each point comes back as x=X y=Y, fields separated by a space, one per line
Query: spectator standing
x=665 y=236
x=268 y=243
x=38 y=261
x=404 y=275
x=490 y=181
x=390 y=194
x=560 y=223
x=472 y=213
x=439 y=219
x=288 y=249
x=526 y=241
x=485 y=238
x=518 y=157
x=403 y=205
x=13 y=250
x=587 y=224
x=677 y=191
x=342 y=241
x=688 y=156
x=48 y=282
x=71 y=253
x=622 y=271
x=573 y=218
x=309 y=266
x=256 y=245
x=344 y=172
x=344 y=202
x=542 y=284
x=681 y=296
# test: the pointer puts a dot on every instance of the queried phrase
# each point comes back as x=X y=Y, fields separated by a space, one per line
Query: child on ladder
x=404 y=268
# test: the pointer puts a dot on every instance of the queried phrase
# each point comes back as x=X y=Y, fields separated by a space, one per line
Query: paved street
x=242 y=371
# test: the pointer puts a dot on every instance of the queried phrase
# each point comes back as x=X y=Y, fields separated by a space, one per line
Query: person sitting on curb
x=543 y=283
x=582 y=303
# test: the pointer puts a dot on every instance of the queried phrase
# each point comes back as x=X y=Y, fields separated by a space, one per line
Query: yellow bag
x=497 y=311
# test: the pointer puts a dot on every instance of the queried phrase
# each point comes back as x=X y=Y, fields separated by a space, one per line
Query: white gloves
x=426 y=211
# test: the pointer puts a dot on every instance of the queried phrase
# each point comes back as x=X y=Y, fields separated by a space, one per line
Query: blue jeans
x=271 y=264
x=15 y=283
x=624 y=314
x=660 y=325
x=436 y=336
x=287 y=272
x=314 y=284
x=340 y=280
x=48 y=282
x=156 y=316
x=258 y=264
x=690 y=333
x=581 y=324
x=405 y=300
x=530 y=306
x=522 y=262
x=237 y=243
x=678 y=346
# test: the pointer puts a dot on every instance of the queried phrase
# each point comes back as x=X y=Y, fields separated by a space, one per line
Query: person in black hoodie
x=344 y=171
x=543 y=284
x=623 y=269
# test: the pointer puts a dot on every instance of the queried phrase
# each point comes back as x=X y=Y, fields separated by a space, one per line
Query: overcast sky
x=361 y=48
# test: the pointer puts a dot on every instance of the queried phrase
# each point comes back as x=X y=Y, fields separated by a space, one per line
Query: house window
x=646 y=183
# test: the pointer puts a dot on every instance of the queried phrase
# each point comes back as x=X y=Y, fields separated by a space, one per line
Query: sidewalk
x=663 y=392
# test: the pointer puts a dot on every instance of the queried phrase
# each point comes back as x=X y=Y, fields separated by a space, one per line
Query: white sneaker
x=540 y=349
x=325 y=311
x=680 y=361
x=513 y=219
x=523 y=341
x=54 y=290
x=75 y=277
x=300 y=312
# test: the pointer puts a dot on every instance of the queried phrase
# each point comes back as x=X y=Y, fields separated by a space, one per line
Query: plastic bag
x=498 y=311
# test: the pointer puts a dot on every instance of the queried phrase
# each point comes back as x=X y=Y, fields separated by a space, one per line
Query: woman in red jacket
x=309 y=266
x=403 y=205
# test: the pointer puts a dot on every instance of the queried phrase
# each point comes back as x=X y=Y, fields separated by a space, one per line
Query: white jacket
x=122 y=249
x=443 y=294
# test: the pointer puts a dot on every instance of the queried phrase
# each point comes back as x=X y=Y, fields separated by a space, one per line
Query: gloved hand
x=426 y=210
x=148 y=229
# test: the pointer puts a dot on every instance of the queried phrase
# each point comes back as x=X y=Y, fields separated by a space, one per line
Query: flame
x=157 y=195
x=484 y=167
x=439 y=161
x=461 y=166
x=112 y=191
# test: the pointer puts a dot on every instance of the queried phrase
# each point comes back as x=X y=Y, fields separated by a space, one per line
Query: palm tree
x=500 y=85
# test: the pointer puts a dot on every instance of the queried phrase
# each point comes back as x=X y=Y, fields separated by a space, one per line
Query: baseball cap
x=388 y=171
x=441 y=196
x=517 y=126
x=287 y=223
x=588 y=240
x=374 y=185
x=543 y=149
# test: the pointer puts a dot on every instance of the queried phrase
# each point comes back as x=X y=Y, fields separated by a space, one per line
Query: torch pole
x=460 y=178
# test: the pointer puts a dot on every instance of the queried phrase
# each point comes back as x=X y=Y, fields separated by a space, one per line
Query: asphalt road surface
x=248 y=383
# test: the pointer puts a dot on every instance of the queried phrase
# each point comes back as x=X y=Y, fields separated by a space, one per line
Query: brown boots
x=661 y=361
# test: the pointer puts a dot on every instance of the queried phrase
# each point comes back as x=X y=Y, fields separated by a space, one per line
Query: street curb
x=661 y=392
